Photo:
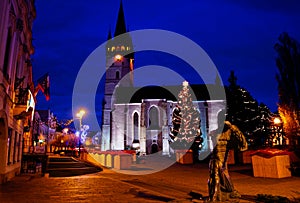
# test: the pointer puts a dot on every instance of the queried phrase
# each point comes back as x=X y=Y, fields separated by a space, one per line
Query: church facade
x=142 y=117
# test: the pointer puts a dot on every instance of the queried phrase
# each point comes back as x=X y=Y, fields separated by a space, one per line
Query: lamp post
x=277 y=131
x=80 y=115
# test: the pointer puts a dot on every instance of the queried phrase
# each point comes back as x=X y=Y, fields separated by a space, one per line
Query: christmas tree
x=252 y=118
x=185 y=132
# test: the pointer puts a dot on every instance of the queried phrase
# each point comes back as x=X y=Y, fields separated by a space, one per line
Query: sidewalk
x=170 y=185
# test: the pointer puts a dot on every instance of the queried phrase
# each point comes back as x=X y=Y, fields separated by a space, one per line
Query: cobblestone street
x=170 y=185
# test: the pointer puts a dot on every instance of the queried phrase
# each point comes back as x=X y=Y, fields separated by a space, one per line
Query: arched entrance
x=154 y=148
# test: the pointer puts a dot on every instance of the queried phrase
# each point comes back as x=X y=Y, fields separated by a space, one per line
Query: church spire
x=120 y=26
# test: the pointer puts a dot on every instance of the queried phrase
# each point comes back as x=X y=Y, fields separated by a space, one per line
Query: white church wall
x=117 y=127
x=123 y=123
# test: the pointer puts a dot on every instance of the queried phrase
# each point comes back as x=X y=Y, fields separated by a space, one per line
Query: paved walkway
x=170 y=185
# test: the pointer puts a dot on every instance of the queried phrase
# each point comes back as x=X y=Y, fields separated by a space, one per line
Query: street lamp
x=79 y=116
x=278 y=136
x=277 y=121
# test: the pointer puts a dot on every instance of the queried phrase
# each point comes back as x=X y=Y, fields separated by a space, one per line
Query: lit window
x=122 y=48
x=113 y=48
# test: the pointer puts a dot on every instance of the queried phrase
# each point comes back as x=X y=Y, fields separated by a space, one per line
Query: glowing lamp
x=118 y=57
x=135 y=144
x=277 y=121
x=80 y=114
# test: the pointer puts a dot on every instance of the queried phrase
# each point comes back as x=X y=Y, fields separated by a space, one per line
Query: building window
x=19 y=147
x=122 y=48
x=136 y=126
x=15 y=148
x=117 y=75
x=9 y=145
x=7 y=54
x=153 y=118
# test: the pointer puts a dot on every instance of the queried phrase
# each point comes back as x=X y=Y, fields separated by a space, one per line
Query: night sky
x=237 y=35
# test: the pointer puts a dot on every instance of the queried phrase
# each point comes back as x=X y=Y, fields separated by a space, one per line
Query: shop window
x=15 y=148
x=19 y=147
x=9 y=146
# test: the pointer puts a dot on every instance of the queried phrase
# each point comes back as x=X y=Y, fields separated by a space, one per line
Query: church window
x=136 y=126
x=118 y=75
x=153 y=118
x=113 y=48
x=127 y=48
x=122 y=48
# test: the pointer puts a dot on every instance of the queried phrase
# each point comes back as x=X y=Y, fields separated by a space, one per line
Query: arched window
x=153 y=118
x=117 y=75
x=136 y=126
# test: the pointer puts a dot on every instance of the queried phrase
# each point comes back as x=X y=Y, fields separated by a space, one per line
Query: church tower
x=119 y=71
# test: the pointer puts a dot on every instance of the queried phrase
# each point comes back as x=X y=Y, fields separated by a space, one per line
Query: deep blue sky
x=237 y=35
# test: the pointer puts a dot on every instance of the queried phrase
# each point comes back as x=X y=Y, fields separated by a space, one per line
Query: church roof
x=136 y=94
x=120 y=26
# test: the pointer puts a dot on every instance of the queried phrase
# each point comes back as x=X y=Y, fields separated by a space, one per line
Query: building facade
x=146 y=118
x=16 y=86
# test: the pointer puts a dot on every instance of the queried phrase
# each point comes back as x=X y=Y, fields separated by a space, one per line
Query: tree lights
x=186 y=120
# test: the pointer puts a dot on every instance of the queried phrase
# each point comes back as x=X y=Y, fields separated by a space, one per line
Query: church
x=141 y=117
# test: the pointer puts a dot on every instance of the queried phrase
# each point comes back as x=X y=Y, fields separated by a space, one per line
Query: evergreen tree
x=243 y=111
x=288 y=64
x=263 y=134
x=185 y=132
